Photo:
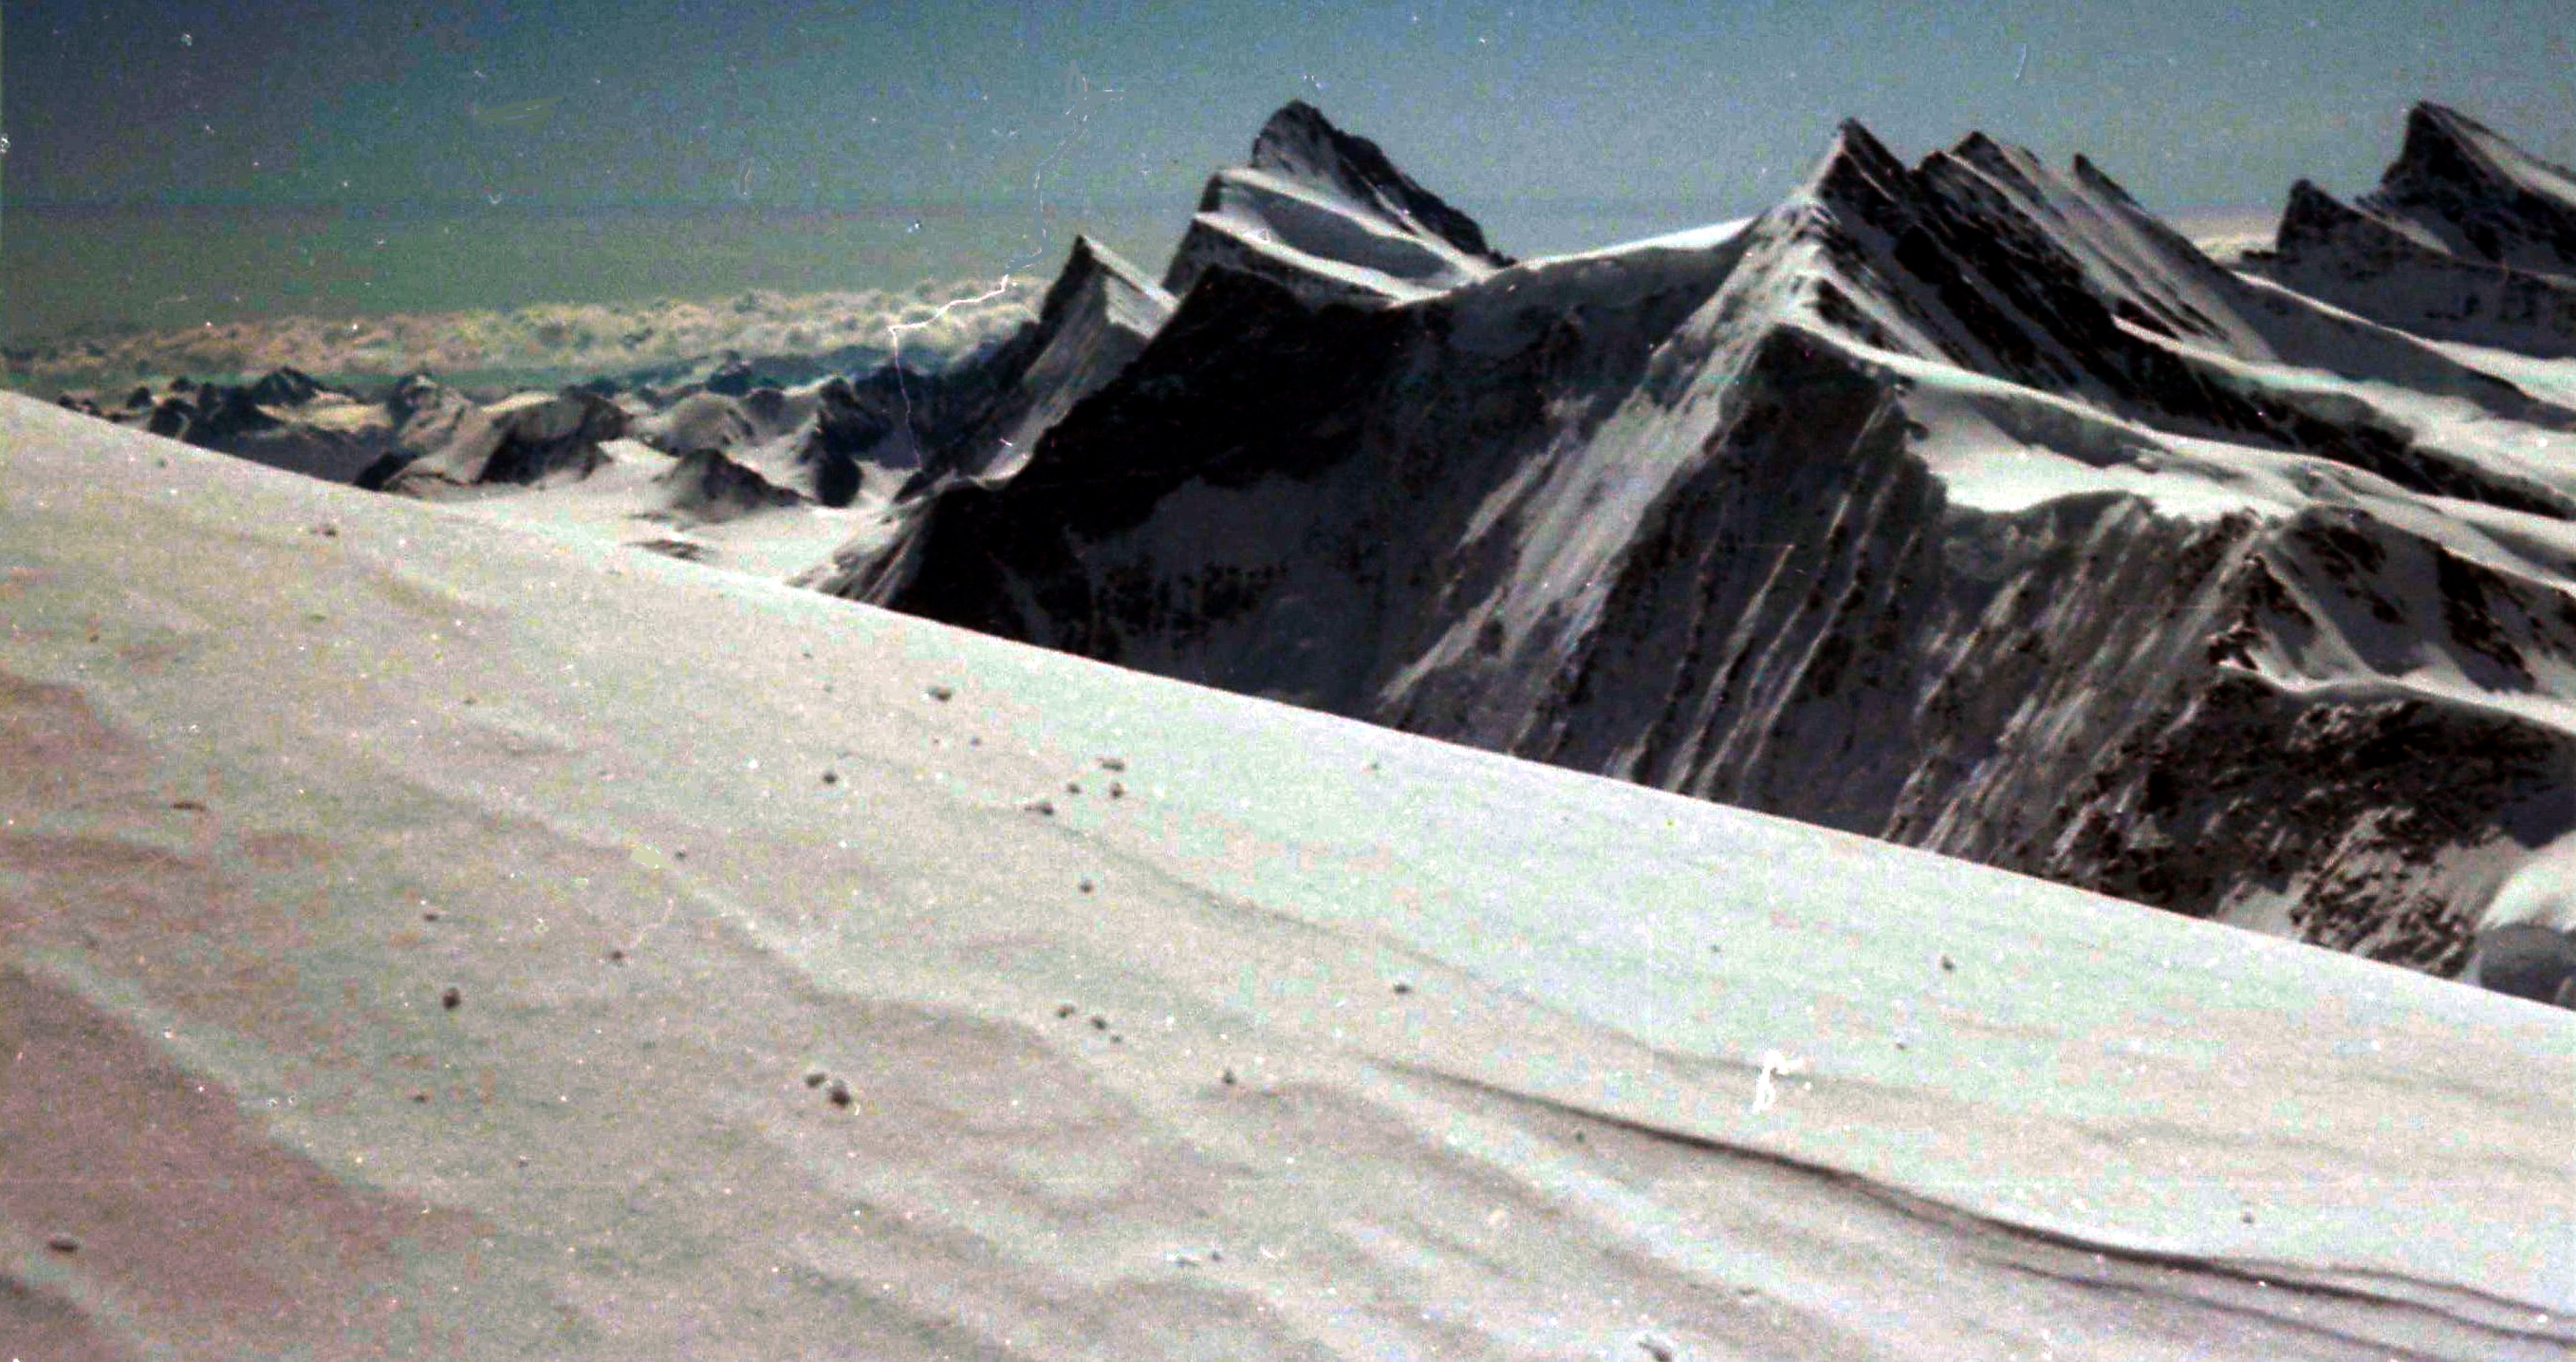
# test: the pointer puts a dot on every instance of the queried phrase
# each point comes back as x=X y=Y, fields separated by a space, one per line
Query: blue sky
x=1723 y=105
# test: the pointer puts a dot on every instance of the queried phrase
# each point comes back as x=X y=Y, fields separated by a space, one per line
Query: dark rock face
x=1097 y=317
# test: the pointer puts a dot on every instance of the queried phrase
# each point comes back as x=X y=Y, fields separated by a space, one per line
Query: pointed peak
x=2428 y=119
x=1997 y=160
x=1857 y=163
x=2435 y=132
x=1089 y=260
x=1977 y=148
x=1295 y=120
x=1299 y=143
x=1853 y=136
x=2092 y=176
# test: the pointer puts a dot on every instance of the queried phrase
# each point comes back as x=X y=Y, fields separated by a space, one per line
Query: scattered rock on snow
x=452 y=999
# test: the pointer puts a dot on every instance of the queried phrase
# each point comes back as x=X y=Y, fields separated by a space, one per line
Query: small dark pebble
x=2247 y=1217
x=1099 y=1022
x=187 y=806
x=973 y=741
x=1948 y=964
x=1073 y=787
x=1064 y=1010
x=327 y=531
x=469 y=699
x=429 y=915
x=1085 y=886
x=1113 y=763
x=1657 y=1349
x=679 y=855
x=943 y=694
x=1117 y=790
x=840 y=1093
x=452 y=999
x=617 y=955
x=1117 y=1039
x=1227 y=1078
x=420 y=1096
x=63 y=1243
x=1403 y=988
x=1043 y=808
x=831 y=778
x=815 y=1079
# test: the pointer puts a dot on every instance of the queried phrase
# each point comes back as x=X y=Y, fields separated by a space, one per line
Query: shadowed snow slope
x=1963 y=504
x=430 y=939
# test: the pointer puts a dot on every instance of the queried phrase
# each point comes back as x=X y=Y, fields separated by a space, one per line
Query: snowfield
x=424 y=937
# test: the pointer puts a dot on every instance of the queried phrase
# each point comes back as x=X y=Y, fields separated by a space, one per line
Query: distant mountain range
x=1961 y=503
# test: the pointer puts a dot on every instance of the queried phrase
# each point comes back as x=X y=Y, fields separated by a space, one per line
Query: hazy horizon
x=593 y=151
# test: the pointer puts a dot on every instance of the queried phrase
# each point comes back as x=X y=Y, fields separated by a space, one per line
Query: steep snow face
x=1962 y=504
x=1327 y=214
x=2468 y=238
x=432 y=939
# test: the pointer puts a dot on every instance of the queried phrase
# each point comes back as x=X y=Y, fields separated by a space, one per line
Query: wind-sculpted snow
x=437 y=938
x=1961 y=503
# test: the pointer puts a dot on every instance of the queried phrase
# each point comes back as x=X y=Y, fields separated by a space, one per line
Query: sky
x=659 y=102
x=1682 y=112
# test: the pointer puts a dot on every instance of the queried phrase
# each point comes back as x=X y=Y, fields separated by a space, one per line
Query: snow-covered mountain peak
x=2467 y=238
x=1327 y=214
x=1856 y=168
x=2485 y=197
x=1301 y=144
x=1128 y=296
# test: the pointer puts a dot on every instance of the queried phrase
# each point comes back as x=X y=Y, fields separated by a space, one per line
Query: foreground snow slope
x=1494 y=1030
